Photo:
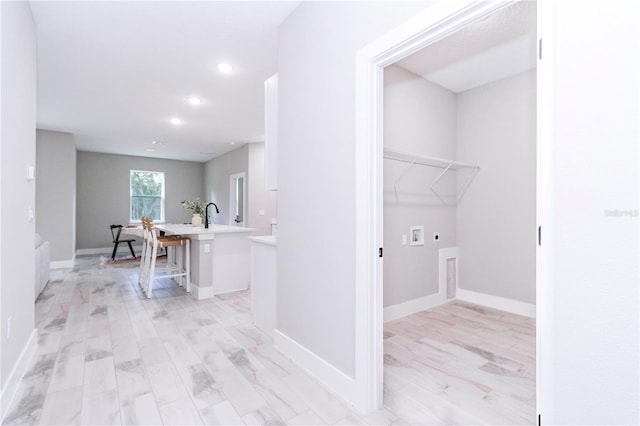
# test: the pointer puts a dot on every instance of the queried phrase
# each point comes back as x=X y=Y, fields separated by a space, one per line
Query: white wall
x=594 y=324
x=316 y=161
x=56 y=192
x=419 y=117
x=103 y=196
x=17 y=195
x=258 y=198
x=496 y=218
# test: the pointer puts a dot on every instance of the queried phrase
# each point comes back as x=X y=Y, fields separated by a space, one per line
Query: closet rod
x=426 y=160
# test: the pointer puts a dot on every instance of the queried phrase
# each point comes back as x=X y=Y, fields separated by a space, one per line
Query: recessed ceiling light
x=232 y=143
x=225 y=68
x=176 y=121
x=195 y=101
x=154 y=142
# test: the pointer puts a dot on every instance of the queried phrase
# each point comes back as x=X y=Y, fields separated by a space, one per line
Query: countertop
x=197 y=230
x=265 y=239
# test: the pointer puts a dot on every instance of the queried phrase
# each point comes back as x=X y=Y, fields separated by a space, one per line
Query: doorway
x=460 y=171
x=427 y=28
x=237 y=199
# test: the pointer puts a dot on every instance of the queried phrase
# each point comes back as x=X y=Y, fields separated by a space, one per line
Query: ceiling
x=115 y=73
x=501 y=45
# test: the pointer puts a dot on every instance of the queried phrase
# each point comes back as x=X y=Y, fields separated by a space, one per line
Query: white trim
x=19 y=368
x=404 y=309
x=496 y=302
x=106 y=250
x=434 y=23
x=61 y=264
x=201 y=293
x=328 y=375
x=545 y=258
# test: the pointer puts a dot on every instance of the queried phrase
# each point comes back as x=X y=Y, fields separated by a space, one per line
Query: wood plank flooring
x=461 y=363
x=108 y=355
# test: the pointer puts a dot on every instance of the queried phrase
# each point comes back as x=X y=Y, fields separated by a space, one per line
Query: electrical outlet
x=207 y=248
x=261 y=212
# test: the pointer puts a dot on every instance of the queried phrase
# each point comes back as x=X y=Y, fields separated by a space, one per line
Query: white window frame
x=162 y=196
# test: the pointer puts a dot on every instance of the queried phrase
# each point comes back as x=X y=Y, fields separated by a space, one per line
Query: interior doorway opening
x=460 y=186
x=441 y=21
x=237 y=199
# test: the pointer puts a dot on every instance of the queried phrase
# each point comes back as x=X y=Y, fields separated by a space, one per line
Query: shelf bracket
x=395 y=188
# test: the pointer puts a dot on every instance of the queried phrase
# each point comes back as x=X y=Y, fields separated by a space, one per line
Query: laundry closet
x=459 y=211
x=460 y=169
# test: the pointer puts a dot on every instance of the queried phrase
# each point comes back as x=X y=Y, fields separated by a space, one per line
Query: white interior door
x=237 y=199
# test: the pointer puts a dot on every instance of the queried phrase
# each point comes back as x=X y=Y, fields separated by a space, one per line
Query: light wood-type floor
x=108 y=355
x=461 y=363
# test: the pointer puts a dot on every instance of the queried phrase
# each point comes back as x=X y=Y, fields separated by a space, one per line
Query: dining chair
x=115 y=235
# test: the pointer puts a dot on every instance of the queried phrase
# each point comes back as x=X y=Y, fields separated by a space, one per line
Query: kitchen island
x=220 y=257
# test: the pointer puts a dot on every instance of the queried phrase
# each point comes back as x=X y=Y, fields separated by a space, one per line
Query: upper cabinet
x=271 y=133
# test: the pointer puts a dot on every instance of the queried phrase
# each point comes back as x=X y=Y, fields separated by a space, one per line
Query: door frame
x=232 y=198
x=433 y=24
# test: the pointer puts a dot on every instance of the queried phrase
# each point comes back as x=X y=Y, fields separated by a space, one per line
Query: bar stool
x=149 y=270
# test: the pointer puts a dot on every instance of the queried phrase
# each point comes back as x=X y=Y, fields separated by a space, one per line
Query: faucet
x=206 y=214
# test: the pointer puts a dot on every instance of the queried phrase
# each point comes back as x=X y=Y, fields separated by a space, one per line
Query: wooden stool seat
x=148 y=267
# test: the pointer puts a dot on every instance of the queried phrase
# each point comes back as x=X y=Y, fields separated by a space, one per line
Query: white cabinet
x=263 y=283
x=271 y=133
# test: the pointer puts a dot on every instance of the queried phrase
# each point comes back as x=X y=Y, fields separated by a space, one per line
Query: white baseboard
x=496 y=302
x=62 y=264
x=20 y=367
x=328 y=375
x=401 y=310
x=201 y=293
x=108 y=250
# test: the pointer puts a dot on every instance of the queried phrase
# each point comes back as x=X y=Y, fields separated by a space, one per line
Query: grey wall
x=419 y=117
x=248 y=158
x=317 y=44
x=103 y=192
x=258 y=198
x=56 y=192
x=216 y=176
x=496 y=219
x=17 y=195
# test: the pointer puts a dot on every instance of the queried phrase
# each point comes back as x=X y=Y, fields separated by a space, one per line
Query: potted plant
x=196 y=207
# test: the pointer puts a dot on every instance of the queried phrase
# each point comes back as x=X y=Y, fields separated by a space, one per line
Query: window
x=147 y=195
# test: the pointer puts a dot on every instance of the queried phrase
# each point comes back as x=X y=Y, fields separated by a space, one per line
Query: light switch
x=207 y=248
x=261 y=212
x=30 y=214
x=404 y=239
x=31 y=172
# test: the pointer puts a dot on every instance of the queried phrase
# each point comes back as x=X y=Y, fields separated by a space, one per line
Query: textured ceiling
x=496 y=47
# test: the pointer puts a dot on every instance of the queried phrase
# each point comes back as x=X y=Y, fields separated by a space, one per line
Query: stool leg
x=115 y=249
x=152 y=270
x=187 y=263
x=143 y=257
x=145 y=270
